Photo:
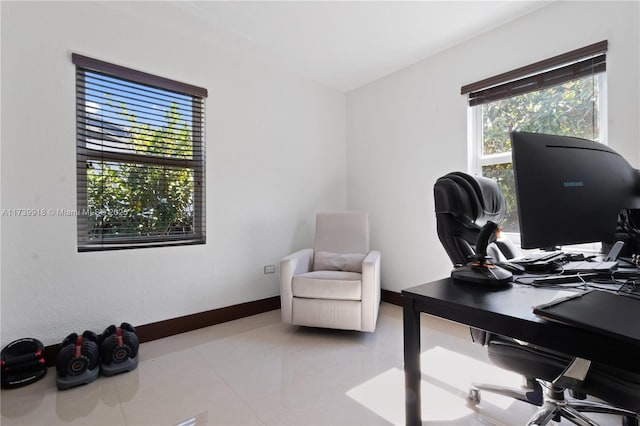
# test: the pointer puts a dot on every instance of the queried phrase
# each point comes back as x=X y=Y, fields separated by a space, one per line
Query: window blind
x=559 y=69
x=140 y=158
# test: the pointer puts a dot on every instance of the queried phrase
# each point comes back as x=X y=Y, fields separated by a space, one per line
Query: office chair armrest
x=574 y=374
x=508 y=248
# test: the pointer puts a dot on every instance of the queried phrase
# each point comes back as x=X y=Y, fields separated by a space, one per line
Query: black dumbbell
x=119 y=344
x=78 y=354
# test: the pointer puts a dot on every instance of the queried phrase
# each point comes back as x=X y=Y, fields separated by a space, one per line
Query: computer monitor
x=569 y=190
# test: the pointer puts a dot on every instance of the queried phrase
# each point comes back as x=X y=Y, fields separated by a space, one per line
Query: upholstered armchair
x=337 y=283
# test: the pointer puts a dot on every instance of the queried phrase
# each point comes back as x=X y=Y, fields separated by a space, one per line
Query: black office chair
x=463 y=204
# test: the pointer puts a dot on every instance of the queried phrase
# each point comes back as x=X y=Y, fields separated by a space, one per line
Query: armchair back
x=342 y=232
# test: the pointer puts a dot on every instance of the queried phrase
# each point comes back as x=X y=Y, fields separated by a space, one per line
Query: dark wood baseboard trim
x=170 y=327
x=392 y=297
x=173 y=326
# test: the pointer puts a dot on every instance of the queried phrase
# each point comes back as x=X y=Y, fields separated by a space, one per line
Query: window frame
x=85 y=154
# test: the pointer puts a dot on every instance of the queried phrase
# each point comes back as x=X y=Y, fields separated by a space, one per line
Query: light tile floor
x=258 y=371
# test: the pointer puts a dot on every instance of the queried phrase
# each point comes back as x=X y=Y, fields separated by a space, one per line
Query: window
x=564 y=95
x=140 y=158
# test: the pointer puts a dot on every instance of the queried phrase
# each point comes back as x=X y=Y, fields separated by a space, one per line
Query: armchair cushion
x=334 y=285
x=328 y=261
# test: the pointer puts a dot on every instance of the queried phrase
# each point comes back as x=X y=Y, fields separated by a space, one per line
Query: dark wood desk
x=507 y=312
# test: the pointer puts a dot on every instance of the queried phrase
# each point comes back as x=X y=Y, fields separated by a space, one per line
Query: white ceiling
x=343 y=44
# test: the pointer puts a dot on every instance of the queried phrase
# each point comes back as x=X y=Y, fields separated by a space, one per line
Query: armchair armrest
x=293 y=264
x=370 y=290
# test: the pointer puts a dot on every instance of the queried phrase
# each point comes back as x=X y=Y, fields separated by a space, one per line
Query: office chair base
x=531 y=392
x=572 y=411
x=553 y=404
x=551 y=410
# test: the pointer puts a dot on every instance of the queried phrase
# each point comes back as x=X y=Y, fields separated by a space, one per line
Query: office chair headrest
x=470 y=199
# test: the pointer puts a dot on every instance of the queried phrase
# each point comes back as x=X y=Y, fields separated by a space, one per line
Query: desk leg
x=412 y=374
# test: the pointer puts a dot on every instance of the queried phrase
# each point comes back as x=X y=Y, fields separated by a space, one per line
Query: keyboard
x=545 y=256
x=585 y=266
x=562 y=279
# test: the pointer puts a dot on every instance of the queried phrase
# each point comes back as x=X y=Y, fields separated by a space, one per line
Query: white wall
x=275 y=156
x=409 y=128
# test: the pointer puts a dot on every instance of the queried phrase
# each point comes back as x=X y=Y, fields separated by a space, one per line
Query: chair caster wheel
x=474 y=396
x=630 y=421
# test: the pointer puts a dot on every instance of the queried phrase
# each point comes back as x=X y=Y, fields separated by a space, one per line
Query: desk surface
x=510 y=312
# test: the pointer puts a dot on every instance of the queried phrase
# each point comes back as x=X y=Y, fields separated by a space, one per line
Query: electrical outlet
x=270 y=269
